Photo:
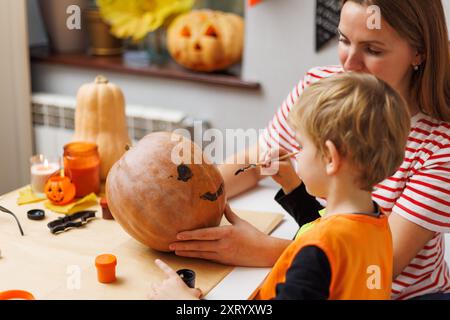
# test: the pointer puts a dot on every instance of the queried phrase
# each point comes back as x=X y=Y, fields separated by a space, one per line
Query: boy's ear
x=333 y=158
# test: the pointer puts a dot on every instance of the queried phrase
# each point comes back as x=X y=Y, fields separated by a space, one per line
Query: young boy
x=352 y=129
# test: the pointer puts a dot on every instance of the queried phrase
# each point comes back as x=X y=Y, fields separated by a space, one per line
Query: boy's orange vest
x=359 y=250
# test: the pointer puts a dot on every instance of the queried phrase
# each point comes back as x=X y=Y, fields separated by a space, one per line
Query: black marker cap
x=36 y=214
x=188 y=277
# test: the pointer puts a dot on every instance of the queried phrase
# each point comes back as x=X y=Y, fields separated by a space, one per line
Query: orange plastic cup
x=106 y=268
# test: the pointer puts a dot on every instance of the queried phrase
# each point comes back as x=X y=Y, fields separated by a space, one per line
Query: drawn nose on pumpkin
x=197 y=46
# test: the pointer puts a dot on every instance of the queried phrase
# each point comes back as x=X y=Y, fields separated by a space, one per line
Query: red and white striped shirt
x=419 y=191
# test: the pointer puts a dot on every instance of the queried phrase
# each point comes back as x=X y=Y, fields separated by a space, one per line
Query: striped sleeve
x=278 y=133
x=426 y=198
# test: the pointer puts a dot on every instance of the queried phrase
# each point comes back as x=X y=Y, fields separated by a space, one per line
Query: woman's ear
x=333 y=158
x=419 y=59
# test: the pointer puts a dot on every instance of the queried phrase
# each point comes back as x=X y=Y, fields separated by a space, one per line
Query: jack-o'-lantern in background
x=162 y=186
x=60 y=190
x=206 y=40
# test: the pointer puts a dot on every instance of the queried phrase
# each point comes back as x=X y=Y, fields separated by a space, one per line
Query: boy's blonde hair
x=364 y=117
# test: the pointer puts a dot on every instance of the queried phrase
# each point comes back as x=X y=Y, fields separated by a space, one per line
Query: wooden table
x=62 y=266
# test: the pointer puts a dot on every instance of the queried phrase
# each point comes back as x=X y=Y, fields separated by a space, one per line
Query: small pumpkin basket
x=206 y=40
x=60 y=190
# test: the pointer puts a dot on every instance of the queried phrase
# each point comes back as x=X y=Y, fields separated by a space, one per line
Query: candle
x=41 y=170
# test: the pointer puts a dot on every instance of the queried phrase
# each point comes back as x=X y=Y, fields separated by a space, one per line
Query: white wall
x=15 y=122
x=447 y=11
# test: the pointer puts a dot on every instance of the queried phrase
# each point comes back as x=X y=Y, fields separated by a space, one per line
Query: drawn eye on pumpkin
x=186 y=32
x=185 y=174
x=211 y=32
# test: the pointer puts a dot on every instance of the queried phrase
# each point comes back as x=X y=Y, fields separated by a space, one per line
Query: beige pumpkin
x=206 y=40
x=100 y=118
x=154 y=195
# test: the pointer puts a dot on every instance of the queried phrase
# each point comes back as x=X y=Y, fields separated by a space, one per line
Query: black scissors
x=9 y=212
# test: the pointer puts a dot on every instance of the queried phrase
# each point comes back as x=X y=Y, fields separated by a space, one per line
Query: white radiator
x=53 y=121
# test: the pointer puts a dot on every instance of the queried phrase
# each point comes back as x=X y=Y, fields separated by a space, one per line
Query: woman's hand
x=172 y=288
x=237 y=184
x=237 y=244
x=281 y=171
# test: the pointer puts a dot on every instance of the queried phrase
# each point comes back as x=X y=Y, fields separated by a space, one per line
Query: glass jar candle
x=41 y=169
x=82 y=166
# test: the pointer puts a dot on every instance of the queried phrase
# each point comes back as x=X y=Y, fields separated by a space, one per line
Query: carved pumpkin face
x=60 y=190
x=154 y=198
x=205 y=40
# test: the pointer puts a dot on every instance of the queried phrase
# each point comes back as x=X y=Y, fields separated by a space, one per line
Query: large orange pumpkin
x=153 y=198
x=206 y=40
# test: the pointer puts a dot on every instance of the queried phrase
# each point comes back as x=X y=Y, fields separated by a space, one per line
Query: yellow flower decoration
x=136 y=18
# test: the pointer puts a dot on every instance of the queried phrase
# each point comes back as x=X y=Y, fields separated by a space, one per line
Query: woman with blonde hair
x=410 y=52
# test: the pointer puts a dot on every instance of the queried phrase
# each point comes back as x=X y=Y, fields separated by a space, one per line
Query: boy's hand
x=281 y=171
x=172 y=288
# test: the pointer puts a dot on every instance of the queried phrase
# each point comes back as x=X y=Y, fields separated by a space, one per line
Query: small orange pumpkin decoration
x=206 y=40
x=60 y=190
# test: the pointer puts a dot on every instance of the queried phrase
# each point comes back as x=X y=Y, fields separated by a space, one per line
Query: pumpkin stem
x=101 y=80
